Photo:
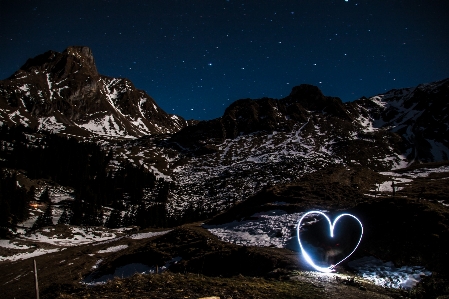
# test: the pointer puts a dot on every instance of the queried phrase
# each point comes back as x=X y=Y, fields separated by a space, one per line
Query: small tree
x=44 y=219
x=65 y=217
x=93 y=215
x=115 y=219
x=45 y=196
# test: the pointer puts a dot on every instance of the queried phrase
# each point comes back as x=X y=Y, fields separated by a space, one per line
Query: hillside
x=88 y=160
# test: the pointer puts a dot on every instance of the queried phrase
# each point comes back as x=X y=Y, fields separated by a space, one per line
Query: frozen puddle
x=387 y=275
x=127 y=271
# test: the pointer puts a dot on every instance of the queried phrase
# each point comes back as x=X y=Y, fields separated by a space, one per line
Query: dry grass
x=189 y=285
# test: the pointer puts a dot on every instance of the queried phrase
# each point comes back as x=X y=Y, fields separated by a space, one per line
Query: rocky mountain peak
x=306 y=91
x=84 y=54
x=81 y=52
x=311 y=98
x=74 y=59
x=65 y=91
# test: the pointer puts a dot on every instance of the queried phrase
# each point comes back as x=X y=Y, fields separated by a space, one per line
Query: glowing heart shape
x=307 y=255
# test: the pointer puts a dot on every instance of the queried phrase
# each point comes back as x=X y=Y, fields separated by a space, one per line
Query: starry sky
x=196 y=57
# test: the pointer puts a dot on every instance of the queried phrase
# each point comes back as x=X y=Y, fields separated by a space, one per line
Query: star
x=273 y=49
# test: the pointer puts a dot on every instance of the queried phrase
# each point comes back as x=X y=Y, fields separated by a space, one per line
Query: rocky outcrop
x=420 y=115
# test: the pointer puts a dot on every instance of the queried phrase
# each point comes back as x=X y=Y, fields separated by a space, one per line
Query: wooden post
x=35 y=279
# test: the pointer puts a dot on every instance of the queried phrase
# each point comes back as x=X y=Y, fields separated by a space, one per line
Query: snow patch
x=147 y=235
x=11 y=245
x=386 y=274
x=27 y=255
x=275 y=228
x=50 y=124
x=113 y=249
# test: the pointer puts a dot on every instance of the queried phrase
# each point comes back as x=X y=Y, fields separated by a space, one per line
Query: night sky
x=196 y=57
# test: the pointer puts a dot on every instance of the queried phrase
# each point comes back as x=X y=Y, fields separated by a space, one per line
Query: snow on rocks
x=50 y=124
x=386 y=274
x=274 y=228
x=12 y=245
x=60 y=193
x=113 y=249
x=402 y=178
x=73 y=236
x=27 y=255
x=147 y=235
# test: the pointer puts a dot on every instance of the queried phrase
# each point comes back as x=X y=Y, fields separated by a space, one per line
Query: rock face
x=413 y=121
x=420 y=115
x=63 y=92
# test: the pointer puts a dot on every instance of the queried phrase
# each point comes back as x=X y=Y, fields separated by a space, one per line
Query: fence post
x=35 y=279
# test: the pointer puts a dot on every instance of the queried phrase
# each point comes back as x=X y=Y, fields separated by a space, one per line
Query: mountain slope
x=255 y=144
x=420 y=115
x=63 y=92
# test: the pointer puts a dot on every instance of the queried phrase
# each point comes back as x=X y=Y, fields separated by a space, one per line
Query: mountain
x=419 y=115
x=410 y=121
x=63 y=93
x=249 y=174
x=214 y=164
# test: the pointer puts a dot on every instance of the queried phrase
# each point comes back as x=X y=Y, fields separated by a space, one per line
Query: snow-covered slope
x=420 y=115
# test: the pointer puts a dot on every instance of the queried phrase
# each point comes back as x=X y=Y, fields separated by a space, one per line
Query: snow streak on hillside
x=242 y=166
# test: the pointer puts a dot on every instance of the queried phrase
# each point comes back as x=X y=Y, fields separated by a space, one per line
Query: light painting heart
x=307 y=254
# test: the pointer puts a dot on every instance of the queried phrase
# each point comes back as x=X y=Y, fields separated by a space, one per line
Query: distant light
x=331 y=225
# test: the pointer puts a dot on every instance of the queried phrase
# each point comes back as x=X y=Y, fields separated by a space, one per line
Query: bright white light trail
x=331 y=225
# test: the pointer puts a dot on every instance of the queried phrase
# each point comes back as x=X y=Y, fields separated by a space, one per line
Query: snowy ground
x=148 y=235
x=386 y=274
x=113 y=249
x=73 y=236
x=70 y=237
x=277 y=228
x=407 y=177
x=27 y=255
x=12 y=245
